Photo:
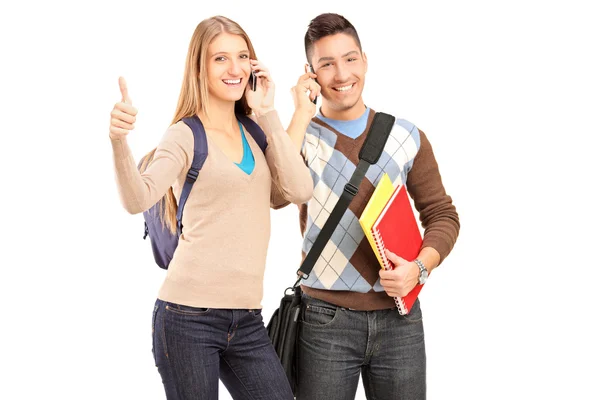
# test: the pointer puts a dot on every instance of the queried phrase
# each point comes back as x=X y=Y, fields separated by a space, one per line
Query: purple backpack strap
x=254 y=130
x=200 y=154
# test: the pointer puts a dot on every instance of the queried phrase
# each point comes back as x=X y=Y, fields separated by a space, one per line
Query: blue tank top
x=247 y=163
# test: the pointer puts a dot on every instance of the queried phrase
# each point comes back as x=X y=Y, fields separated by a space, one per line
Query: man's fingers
x=124 y=92
x=314 y=93
x=394 y=258
x=309 y=70
x=314 y=86
x=308 y=85
x=390 y=255
x=309 y=76
x=386 y=275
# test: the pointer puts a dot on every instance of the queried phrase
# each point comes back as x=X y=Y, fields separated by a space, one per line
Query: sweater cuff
x=119 y=147
x=270 y=123
x=442 y=245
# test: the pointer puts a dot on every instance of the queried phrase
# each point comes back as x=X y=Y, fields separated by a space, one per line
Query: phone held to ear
x=252 y=81
x=313 y=71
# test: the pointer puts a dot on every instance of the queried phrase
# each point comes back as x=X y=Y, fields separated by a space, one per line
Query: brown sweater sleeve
x=437 y=213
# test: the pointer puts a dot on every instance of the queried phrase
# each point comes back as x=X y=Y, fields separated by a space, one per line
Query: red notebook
x=396 y=229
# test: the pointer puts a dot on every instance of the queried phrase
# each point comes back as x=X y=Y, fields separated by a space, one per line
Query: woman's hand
x=262 y=100
x=122 y=117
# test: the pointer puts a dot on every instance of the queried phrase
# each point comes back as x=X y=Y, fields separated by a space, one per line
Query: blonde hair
x=193 y=97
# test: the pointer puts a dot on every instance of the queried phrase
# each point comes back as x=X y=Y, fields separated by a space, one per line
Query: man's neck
x=348 y=114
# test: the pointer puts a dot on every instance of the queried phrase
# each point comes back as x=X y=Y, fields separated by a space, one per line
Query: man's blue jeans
x=337 y=345
x=195 y=347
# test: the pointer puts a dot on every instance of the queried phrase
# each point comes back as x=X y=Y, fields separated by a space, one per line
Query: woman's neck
x=219 y=115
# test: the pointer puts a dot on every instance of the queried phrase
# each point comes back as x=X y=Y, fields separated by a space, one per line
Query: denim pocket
x=317 y=315
x=186 y=310
x=415 y=314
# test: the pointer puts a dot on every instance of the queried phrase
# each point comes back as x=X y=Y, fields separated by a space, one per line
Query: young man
x=350 y=325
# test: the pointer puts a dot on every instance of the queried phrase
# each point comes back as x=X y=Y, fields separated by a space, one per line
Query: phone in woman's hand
x=252 y=81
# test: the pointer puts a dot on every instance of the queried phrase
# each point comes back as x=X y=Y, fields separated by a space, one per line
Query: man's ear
x=366 y=61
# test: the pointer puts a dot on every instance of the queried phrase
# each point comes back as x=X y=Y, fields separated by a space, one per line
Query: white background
x=508 y=93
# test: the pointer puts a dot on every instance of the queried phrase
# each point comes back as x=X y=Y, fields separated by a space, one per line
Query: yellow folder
x=382 y=193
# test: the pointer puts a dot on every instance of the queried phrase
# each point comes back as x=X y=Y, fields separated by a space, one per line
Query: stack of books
x=389 y=222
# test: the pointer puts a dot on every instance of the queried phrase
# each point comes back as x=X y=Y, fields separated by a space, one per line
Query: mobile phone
x=252 y=81
x=313 y=71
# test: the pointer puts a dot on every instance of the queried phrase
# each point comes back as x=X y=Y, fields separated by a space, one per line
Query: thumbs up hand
x=122 y=117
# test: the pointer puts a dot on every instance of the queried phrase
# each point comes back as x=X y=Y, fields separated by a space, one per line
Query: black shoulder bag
x=283 y=325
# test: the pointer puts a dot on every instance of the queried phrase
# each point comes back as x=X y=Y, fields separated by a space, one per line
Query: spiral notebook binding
x=381 y=249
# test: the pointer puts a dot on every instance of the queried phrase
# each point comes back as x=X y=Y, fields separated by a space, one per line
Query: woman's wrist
x=262 y=111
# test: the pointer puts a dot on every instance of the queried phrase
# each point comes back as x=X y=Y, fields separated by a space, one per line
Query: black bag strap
x=369 y=154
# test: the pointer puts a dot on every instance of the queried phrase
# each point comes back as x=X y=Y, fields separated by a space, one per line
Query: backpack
x=162 y=240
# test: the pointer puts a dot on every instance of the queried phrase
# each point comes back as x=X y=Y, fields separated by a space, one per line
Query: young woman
x=207 y=322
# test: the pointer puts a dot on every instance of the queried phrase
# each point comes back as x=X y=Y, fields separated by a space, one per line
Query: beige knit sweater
x=220 y=258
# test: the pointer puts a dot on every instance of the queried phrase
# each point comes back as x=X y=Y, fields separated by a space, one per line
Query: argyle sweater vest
x=348 y=263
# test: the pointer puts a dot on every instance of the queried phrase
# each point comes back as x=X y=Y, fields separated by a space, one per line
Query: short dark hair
x=325 y=25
